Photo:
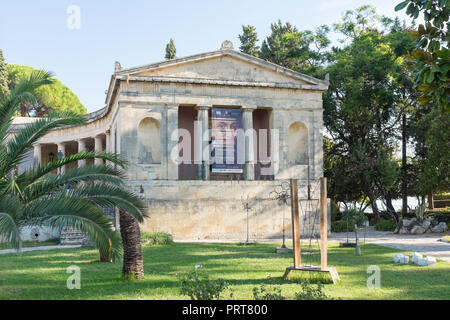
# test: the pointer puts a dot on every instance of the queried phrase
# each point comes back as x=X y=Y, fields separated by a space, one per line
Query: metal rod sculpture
x=282 y=195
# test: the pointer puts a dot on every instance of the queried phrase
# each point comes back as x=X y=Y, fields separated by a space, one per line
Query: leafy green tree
x=430 y=61
x=38 y=197
x=364 y=106
x=285 y=46
x=431 y=162
x=53 y=97
x=359 y=21
x=437 y=163
x=248 y=39
x=3 y=76
x=302 y=51
x=171 y=51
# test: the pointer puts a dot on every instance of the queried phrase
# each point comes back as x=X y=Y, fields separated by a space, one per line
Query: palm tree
x=38 y=197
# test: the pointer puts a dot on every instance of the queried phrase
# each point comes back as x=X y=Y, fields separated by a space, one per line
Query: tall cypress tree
x=3 y=76
x=171 y=51
x=248 y=39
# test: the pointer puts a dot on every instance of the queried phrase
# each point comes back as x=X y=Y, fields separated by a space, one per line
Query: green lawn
x=27 y=244
x=42 y=275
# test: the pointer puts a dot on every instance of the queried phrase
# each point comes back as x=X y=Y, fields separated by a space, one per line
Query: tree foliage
x=38 y=197
x=3 y=76
x=249 y=39
x=430 y=60
x=54 y=97
x=369 y=92
x=171 y=51
x=301 y=51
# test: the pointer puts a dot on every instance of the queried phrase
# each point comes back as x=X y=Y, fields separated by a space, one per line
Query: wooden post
x=323 y=224
x=295 y=224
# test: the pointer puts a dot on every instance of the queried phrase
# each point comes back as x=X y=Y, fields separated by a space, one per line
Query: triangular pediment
x=227 y=65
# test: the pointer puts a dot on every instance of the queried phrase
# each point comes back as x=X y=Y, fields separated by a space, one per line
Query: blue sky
x=35 y=33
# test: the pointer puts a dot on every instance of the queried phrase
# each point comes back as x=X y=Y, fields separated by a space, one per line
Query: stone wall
x=214 y=209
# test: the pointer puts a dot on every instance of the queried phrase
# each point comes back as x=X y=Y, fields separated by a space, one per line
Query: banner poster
x=225 y=124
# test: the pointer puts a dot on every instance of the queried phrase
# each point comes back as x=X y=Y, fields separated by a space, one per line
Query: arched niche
x=149 y=141
x=298 y=143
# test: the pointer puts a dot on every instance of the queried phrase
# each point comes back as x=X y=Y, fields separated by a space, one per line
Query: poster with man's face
x=225 y=125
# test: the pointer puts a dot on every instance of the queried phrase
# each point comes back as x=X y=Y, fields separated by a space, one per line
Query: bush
x=441 y=196
x=197 y=286
x=441 y=215
x=341 y=226
x=335 y=213
x=262 y=293
x=156 y=238
x=441 y=203
x=385 y=225
x=310 y=292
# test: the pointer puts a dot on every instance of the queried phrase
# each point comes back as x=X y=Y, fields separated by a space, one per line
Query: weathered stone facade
x=145 y=106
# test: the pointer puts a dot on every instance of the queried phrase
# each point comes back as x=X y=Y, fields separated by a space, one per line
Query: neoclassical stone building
x=149 y=107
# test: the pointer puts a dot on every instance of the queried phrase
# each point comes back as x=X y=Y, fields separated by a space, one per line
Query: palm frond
x=105 y=194
x=33 y=175
x=22 y=91
x=31 y=133
x=92 y=173
x=10 y=214
x=59 y=211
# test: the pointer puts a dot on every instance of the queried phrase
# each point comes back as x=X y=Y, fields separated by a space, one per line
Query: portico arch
x=298 y=143
x=149 y=141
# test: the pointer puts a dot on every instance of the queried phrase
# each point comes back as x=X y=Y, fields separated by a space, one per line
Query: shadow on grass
x=42 y=275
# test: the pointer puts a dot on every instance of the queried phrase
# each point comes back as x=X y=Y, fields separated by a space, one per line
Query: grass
x=42 y=274
x=446 y=238
x=27 y=244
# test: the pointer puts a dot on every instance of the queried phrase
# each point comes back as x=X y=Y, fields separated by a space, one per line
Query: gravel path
x=6 y=251
x=428 y=243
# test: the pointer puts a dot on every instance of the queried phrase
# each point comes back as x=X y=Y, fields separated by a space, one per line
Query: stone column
x=172 y=126
x=203 y=117
x=108 y=141
x=62 y=149
x=81 y=147
x=98 y=148
x=37 y=154
x=247 y=124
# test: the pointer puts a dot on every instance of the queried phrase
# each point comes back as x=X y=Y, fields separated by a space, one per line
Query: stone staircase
x=71 y=236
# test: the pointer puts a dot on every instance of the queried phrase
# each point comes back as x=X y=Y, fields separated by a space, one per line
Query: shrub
x=441 y=203
x=441 y=215
x=197 y=286
x=354 y=216
x=385 y=225
x=156 y=238
x=311 y=292
x=273 y=293
x=341 y=226
x=335 y=213
x=441 y=196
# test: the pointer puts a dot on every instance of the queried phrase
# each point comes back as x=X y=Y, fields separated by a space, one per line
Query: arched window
x=298 y=144
x=149 y=141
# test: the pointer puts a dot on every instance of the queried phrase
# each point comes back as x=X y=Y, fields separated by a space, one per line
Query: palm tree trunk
x=133 y=264
x=106 y=256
